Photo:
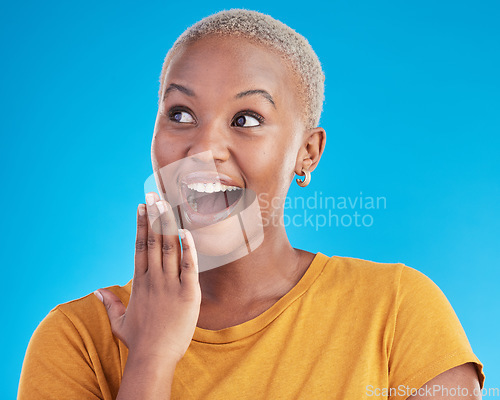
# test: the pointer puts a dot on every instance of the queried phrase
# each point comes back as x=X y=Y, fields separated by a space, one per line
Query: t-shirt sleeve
x=428 y=337
x=56 y=364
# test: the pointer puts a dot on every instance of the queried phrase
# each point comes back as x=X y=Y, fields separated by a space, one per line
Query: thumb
x=114 y=306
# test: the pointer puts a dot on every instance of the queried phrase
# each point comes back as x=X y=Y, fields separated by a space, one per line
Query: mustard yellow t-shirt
x=349 y=329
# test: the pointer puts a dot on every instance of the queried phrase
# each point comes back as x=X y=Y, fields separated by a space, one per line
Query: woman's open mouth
x=206 y=203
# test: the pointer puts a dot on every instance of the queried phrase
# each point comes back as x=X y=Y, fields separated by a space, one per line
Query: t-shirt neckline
x=245 y=329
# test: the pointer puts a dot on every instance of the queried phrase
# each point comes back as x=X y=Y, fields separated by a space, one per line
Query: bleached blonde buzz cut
x=274 y=34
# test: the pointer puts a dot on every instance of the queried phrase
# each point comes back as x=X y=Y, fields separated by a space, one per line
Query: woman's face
x=238 y=100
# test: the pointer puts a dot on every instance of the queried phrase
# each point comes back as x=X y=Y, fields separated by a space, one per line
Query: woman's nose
x=212 y=141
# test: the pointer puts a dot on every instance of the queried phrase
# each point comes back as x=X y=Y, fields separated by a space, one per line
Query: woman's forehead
x=231 y=43
x=228 y=61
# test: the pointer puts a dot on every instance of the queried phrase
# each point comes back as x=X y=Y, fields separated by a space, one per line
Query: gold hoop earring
x=306 y=180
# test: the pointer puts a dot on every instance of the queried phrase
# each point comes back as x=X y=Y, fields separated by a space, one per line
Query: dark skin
x=169 y=297
x=263 y=156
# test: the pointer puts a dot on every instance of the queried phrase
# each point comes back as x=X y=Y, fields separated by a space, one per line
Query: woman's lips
x=208 y=177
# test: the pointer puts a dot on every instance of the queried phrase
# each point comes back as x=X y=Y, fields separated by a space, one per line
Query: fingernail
x=150 y=199
x=182 y=234
x=161 y=207
x=142 y=210
x=98 y=295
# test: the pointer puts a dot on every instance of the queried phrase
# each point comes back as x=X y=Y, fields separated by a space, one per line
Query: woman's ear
x=311 y=150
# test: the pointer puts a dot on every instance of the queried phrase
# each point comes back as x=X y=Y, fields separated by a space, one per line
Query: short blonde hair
x=270 y=32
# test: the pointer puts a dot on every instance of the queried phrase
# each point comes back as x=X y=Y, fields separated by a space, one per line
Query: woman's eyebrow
x=266 y=95
x=189 y=92
x=180 y=88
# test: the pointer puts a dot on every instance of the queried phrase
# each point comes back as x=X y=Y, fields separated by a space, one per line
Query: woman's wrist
x=147 y=376
x=166 y=361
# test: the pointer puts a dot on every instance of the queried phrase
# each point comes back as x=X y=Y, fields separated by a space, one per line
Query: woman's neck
x=266 y=274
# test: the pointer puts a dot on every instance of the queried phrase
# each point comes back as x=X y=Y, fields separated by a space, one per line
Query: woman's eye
x=246 y=121
x=181 y=116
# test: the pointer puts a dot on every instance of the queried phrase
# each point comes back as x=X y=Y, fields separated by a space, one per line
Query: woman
x=239 y=105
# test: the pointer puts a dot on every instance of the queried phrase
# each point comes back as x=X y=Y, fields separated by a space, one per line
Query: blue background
x=411 y=113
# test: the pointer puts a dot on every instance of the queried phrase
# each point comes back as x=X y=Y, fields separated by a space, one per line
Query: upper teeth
x=211 y=187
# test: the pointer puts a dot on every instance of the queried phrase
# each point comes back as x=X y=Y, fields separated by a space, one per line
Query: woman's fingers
x=189 y=263
x=159 y=318
x=163 y=240
x=154 y=240
x=114 y=308
x=171 y=253
x=141 y=245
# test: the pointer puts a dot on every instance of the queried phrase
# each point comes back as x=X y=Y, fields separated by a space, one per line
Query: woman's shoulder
x=74 y=351
x=421 y=333
x=374 y=279
x=87 y=313
x=82 y=324
x=346 y=269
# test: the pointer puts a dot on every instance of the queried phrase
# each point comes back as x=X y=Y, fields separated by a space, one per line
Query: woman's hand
x=164 y=304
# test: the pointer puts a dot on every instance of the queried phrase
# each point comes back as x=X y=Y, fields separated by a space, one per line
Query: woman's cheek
x=165 y=150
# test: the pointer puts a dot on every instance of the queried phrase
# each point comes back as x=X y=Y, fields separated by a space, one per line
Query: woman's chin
x=219 y=239
x=230 y=239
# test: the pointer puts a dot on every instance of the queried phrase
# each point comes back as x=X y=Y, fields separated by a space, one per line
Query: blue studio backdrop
x=411 y=115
